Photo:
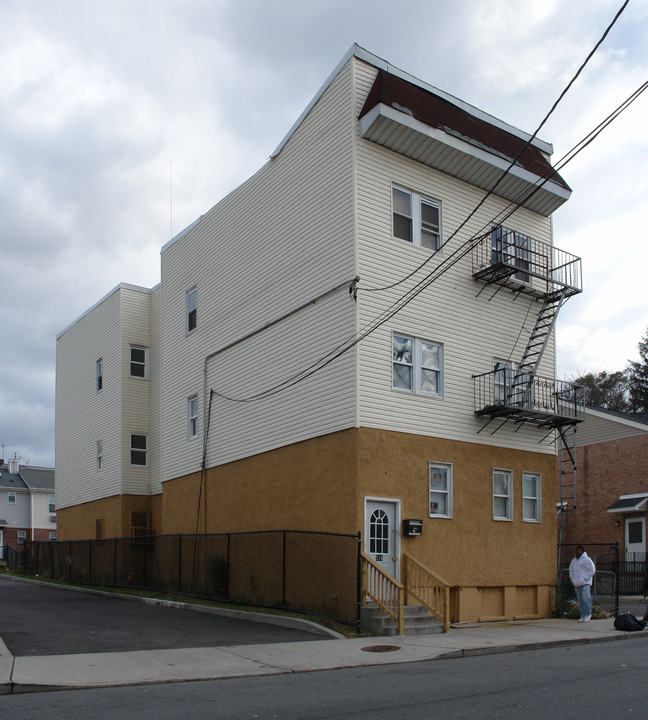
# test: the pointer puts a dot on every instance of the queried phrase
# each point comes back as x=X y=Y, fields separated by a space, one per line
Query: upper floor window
x=51 y=504
x=192 y=318
x=416 y=219
x=440 y=489
x=502 y=494
x=192 y=416
x=139 y=362
x=417 y=365
x=99 y=374
x=531 y=497
x=11 y=498
x=99 y=454
x=138 y=449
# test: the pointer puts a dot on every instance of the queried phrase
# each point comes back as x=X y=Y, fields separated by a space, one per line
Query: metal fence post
x=180 y=563
x=283 y=573
x=358 y=579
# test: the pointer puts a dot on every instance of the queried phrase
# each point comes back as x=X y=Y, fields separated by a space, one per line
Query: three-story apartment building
x=359 y=335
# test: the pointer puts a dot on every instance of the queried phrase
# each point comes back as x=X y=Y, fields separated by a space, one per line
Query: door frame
x=397 y=528
x=627 y=520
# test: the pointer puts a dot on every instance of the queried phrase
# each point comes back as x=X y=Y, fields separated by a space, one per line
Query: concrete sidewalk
x=57 y=672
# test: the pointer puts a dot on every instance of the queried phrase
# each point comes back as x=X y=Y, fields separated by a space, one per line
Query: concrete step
x=416 y=621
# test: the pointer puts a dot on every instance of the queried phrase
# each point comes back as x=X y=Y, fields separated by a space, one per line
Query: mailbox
x=412 y=528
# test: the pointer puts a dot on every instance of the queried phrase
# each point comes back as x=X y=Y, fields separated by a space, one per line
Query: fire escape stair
x=519 y=392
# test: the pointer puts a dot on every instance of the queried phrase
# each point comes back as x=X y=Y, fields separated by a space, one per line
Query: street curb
x=279 y=620
x=476 y=652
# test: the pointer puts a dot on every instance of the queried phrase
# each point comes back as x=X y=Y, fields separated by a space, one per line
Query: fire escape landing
x=530 y=267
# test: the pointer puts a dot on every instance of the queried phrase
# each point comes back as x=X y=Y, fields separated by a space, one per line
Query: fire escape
x=517 y=393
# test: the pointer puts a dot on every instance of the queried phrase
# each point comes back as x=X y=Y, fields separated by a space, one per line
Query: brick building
x=609 y=498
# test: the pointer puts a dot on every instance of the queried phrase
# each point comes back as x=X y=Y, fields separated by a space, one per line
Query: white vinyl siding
x=473 y=327
x=252 y=268
x=106 y=331
x=82 y=414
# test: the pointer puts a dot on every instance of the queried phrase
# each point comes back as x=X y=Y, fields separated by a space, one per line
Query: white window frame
x=527 y=498
x=11 y=498
x=99 y=455
x=139 y=451
x=51 y=503
x=52 y=536
x=144 y=365
x=191 y=310
x=99 y=384
x=192 y=417
x=435 y=490
x=507 y=496
x=416 y=365
x=417 y=231
x=22 y=536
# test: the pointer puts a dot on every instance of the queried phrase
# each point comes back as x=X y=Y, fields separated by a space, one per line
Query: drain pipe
x=352 y=291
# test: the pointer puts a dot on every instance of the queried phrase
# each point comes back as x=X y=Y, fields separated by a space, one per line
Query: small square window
x=192 y=309
x=138 y=449
x=502 y=494
x=531 y=497
x=440 y=489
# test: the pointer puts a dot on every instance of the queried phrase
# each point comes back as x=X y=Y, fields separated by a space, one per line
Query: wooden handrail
x=428 y=589
x=384 y=590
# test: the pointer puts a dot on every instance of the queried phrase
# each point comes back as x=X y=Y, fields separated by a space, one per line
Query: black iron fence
x=311 y=572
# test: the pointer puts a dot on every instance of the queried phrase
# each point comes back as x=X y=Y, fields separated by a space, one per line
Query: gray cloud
x=108 y=112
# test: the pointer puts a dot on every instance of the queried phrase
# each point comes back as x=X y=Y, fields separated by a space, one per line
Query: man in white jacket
x=581 y=572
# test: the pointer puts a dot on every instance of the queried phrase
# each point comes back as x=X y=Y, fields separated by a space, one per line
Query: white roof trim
x=615 y=418
x=121 y=286
x=467 y=148
x=371 y=59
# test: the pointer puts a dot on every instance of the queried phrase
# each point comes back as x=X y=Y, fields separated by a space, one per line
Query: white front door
x=635 y=538
x=382 y=538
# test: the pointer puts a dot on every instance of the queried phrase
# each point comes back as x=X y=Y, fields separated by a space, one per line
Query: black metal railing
x=317 y=573
x=543 y=400
x=511 y=259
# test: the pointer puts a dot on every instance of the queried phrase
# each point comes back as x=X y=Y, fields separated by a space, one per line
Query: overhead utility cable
x=449 y=261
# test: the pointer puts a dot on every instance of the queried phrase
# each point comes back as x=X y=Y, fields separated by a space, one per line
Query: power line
x=457 y=254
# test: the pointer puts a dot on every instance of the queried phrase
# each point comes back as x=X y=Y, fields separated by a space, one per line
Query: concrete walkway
x=57 y=672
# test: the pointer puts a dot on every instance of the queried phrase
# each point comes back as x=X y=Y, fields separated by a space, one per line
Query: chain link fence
x=317 y=573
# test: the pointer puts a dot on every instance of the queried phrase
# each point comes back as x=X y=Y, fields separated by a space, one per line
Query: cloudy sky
x=109 y=110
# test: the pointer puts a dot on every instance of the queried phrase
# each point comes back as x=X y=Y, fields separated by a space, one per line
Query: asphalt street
x=39 y=619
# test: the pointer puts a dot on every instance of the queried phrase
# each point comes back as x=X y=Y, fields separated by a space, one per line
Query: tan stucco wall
x=498 y=569
x=78 y=522
x=305 y=486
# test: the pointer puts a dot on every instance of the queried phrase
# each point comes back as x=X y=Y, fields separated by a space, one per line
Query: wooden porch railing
x=427 y=588
x=384 y=590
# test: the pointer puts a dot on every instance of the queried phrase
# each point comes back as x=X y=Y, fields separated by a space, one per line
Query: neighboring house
x=287 y=373
x=27 y=506
x=608 y=500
